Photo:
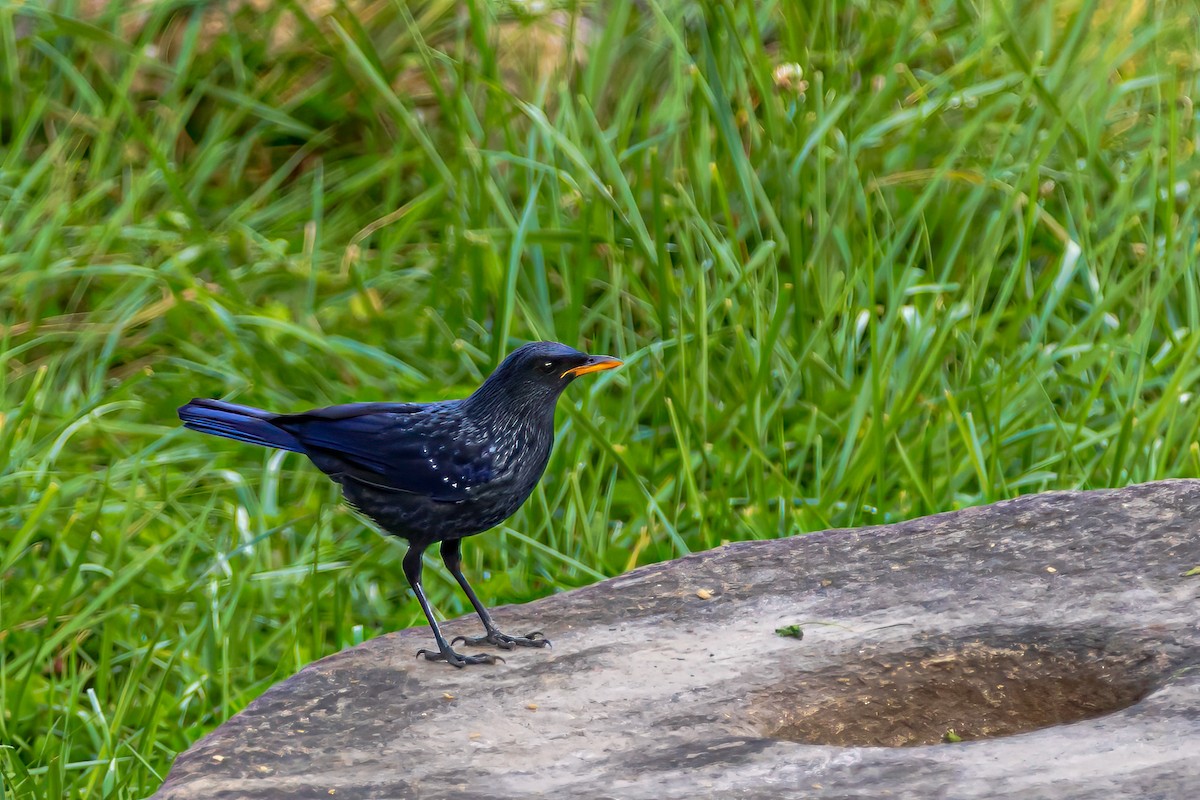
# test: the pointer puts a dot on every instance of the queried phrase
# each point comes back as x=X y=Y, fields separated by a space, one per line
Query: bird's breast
x=496 y=467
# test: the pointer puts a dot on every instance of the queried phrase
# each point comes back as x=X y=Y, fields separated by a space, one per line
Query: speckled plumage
x=428 y=472
x=465 y=471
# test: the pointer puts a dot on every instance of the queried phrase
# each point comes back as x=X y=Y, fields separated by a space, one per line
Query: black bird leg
x=452 y=558
x=412 y=571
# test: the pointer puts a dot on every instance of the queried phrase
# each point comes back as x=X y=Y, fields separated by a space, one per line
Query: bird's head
x=542 y=370
x=550 y=364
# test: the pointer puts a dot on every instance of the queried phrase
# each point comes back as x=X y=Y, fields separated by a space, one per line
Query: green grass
x=958 y=266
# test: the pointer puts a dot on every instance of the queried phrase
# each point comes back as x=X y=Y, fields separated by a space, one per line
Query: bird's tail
x=243 y=423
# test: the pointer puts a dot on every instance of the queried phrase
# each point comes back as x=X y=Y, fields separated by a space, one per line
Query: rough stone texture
x=990 y=620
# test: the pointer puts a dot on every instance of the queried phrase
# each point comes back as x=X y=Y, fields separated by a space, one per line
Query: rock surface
x=1069 y=610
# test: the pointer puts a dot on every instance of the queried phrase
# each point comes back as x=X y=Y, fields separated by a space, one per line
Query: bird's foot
x=504 y=641
x=457 y=660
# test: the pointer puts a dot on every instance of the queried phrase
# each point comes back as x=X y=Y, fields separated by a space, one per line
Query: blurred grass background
x=866 y=260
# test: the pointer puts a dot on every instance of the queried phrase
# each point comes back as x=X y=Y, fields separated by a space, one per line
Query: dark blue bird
x=430 y=472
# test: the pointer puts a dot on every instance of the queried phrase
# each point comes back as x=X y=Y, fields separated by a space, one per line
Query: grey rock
x=1063 y=620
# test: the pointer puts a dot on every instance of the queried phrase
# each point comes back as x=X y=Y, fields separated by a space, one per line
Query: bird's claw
x=456 y=660
x=504 y=641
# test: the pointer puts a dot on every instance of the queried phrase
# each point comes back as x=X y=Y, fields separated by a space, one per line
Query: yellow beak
x=599 y=365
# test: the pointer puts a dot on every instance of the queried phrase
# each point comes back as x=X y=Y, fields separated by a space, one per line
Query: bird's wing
x=407 y=447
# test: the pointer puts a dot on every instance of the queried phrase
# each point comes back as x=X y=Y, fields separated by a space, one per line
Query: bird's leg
x=412 y=571
x=452 y=557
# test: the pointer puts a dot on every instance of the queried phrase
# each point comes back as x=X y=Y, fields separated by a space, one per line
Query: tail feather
x=242 y=423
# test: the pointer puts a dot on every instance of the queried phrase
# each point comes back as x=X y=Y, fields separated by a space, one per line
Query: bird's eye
x=546 y=366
